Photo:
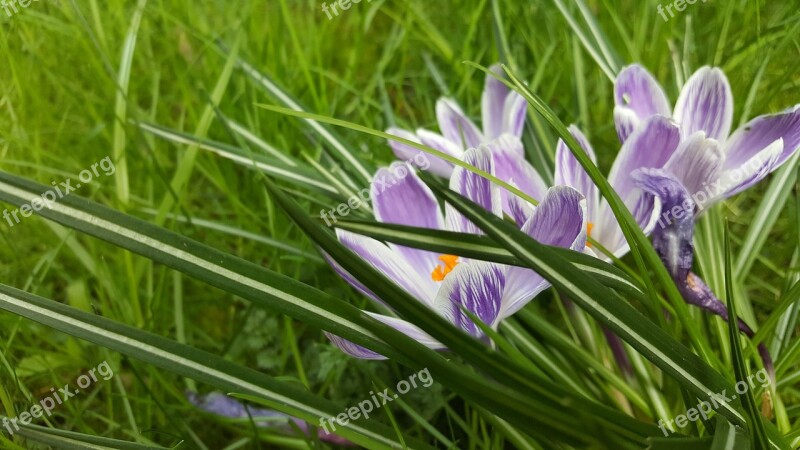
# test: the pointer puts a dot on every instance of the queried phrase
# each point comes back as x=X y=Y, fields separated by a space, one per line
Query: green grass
x=380 y=63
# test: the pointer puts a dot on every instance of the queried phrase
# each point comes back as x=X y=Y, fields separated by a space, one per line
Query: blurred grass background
x=379 y=63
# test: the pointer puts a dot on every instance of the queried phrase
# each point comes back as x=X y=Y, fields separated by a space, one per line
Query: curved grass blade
x=192 y=363
x=69 y=440
x=729 y=437
x=424 y=148
x=340 y=150
x=296 y=175
x=121 y=104
x=248 y=135
x=238 y=232
x=755 y=424
x=769 y=209
x=599 y=55
x=247 y=280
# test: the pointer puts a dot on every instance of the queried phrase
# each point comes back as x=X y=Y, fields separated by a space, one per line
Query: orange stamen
x=589 y=226
x=440 y=271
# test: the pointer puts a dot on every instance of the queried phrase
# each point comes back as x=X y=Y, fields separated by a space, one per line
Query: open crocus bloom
x=711 y=164
x=503 y=111
x=641 y=151
x=446 y=283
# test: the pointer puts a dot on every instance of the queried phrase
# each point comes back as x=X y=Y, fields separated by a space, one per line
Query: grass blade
x=249 y=281
x=190 y=362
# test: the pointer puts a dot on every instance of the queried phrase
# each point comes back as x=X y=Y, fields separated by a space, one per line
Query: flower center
x=440 y=271
x=589 y=226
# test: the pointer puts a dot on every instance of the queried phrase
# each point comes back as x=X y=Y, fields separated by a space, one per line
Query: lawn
x=163 y=169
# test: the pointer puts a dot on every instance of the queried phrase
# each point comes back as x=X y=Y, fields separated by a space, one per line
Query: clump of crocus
x=448 y=283
x=703 y=164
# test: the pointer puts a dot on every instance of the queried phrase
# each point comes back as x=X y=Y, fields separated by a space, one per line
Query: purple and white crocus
x=640 y=151
x=446 y=283
x=705 y=166
x=503 y=112
x=710 y=162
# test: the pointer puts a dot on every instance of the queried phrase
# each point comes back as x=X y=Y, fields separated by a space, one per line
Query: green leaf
x=237 y=276
x=729 y=437
x=299 y=176
x=69 y=440
x=340 y=150
x=192 y=363
x=755 y=423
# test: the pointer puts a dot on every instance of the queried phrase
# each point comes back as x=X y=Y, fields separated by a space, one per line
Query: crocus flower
x=675 y=246
x=445 y=283
x=711 y=164
x=638 y=152
x=503 y=112
x=706 y=166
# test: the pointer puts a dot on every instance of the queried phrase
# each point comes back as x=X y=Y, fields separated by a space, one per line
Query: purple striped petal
x=644 y=208
x=637 y=96
x=514 y=114
x=519 y=210
x=696 y=162
x=705 y=104
x=400 y=197
x=625 y=121
x=456 y=126
x=759 y=133
x=350 y=279
x=407 y=328
x=474 y=187
x=748 y=174
x=493 y=104
x=391 y=264
x=569 y=172
x=522 y=286
x=560 y=219
x=353 y=350
x=477 y=287
x=406 y=152
x=511 y=166
x=673 y=237
x=651 y=145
